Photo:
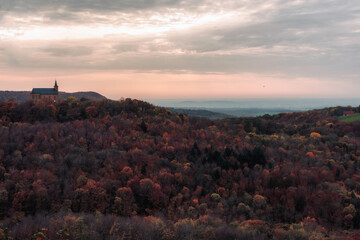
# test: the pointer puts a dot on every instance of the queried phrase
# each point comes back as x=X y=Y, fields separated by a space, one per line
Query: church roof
x=44 y=91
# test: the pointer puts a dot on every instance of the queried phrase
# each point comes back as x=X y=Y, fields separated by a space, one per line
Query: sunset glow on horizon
x=182 y=49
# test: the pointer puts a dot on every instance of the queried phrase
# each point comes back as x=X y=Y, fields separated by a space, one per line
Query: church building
x=45 y=94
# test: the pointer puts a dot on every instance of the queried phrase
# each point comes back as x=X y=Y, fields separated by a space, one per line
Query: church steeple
x=56 y=86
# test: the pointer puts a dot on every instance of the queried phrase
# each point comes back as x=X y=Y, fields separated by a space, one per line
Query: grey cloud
x=70 y=11
x=123 y=5
x=9 y=58
x=310 y=25
x=125 y=48
x=61 y=11
x=61 y=16
x=82 y=5
x=13 y=62
x=304 y=40
x=68 y=51
x=319 y=66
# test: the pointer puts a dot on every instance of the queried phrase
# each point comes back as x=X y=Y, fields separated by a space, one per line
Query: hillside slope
x=127 y=169
x=23 y=96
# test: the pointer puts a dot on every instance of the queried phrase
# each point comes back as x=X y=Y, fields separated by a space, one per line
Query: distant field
x=350 y=118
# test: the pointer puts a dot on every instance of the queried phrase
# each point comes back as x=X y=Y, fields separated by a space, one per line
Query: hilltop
x=23 y=96
x=128 y=169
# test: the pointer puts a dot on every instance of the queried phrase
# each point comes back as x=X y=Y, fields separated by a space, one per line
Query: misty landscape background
x=255 y=106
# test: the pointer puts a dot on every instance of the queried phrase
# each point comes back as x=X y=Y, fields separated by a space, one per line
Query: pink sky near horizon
x=115 y=85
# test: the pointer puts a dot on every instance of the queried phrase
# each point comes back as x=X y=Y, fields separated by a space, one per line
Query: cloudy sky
x=183 y=48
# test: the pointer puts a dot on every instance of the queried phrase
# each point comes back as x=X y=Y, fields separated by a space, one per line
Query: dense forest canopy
x=130 y=170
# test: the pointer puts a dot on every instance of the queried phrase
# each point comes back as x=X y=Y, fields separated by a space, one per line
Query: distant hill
x=88 y=95
x=23 y=96
x=201 y=113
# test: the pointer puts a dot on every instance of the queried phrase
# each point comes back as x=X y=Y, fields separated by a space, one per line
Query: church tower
x=56 y=88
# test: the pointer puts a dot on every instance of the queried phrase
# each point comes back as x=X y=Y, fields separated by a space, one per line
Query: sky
x=166 y=49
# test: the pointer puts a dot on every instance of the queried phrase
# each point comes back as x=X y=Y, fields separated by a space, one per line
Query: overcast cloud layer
x=288 y=40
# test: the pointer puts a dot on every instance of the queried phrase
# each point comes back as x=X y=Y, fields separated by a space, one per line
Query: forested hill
x=130 y=170
x=23 y=96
